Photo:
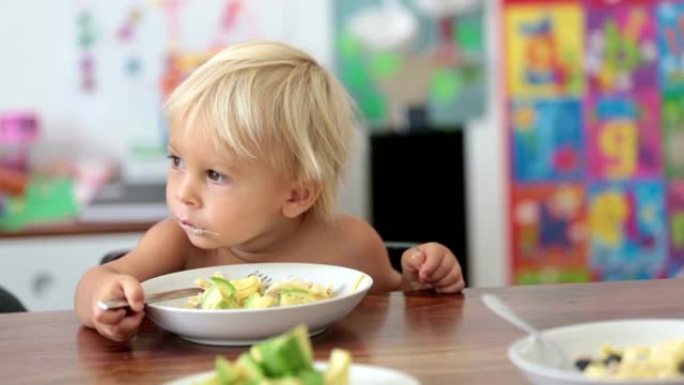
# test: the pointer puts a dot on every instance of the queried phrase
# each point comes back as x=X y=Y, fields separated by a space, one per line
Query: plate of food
x=624 y=352
x=288 y=359
x=246 y=303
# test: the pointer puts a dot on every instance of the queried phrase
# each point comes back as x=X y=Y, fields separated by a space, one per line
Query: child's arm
x=365 y=251
x=427 y=266
x=431 y=266
x=162 y=250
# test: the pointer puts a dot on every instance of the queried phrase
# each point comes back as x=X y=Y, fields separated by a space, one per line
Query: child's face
x=221 y=201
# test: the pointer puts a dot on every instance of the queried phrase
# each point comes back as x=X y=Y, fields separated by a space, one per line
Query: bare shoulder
x=362 y=248
x=163 y=249
x=359 y=234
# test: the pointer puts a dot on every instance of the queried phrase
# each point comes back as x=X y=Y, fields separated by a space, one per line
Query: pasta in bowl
x=252 y=292
x=231 y=324
x=625 y=352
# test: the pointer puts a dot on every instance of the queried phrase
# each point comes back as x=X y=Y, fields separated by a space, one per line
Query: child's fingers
x=109 y=317
x=130 y=324
x=452 y=282
x=430 y=270
x=453 y=288
x=446 y=282
x=412 y=260
x=123 y=331
x=133 y=293
x=445 y=267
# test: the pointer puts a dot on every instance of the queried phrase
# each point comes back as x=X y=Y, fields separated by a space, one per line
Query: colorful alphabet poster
x=549 y=233
x=672 y=113
x=544 y=47
x=548 y=140
x=595 y=128
x=627 y=229
x=624 y=136
x=675 y=227
x=620 y=52
x=671 y=45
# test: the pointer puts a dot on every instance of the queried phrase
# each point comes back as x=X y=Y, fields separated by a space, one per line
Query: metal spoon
x=496 y=305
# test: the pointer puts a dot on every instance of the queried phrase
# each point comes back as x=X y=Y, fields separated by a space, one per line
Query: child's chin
x=202 y=242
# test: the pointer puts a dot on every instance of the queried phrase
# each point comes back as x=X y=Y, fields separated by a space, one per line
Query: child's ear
x=302 y=197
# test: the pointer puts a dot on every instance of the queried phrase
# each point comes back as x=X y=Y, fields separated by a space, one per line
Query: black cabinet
x=418 y=191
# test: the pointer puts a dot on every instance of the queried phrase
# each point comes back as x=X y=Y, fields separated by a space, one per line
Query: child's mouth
x=191 y=229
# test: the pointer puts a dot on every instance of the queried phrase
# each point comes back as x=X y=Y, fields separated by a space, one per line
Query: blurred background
x=541 y=141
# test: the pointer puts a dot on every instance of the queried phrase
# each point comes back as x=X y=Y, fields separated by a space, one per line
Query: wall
x=484 y=151
x=38 y=71
x=487 y=192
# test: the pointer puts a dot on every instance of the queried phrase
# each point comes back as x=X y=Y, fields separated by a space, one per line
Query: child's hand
x=119 y=324
x=432 y=266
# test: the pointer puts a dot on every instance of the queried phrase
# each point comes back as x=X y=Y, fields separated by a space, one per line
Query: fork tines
x=265 y=279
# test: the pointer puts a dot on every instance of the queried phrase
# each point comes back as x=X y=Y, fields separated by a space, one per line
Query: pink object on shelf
x=18 y=127
x=18 y=161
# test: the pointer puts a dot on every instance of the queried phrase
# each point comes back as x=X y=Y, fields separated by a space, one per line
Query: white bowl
x=585 y=340
x=247 y=326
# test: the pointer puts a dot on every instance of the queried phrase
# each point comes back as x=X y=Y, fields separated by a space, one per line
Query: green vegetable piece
x=224 y=285
x=212 y=298
x=219 y=296
x=301 y=334
x=255 y=353
x=246 y=365
x=224 y=370
x=311 y=376
x=274 y=357
x=283 y=356
x=283 y=360
x=294 y=296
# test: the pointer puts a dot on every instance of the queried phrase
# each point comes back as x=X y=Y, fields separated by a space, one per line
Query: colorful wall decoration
x=132 y=54
x=594 y=112
x=412 y=62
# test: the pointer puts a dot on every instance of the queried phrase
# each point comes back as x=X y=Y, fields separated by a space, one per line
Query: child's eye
x=216 y=176
x=176 y=162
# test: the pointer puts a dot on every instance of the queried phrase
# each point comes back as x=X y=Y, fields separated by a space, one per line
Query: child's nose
x=186 y=191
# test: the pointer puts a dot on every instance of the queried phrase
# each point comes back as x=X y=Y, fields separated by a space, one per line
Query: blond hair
x=270 y=100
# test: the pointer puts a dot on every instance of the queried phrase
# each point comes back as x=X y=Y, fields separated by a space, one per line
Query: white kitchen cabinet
x=42 y=271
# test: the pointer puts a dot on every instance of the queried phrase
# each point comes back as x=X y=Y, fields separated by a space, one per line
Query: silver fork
x=265 y=279
x=173 y=294
x=151 y=298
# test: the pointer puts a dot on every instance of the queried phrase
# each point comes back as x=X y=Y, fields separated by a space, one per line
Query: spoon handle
x=495 y=304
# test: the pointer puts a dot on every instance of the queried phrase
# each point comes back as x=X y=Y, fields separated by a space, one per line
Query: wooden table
x=439 y=339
